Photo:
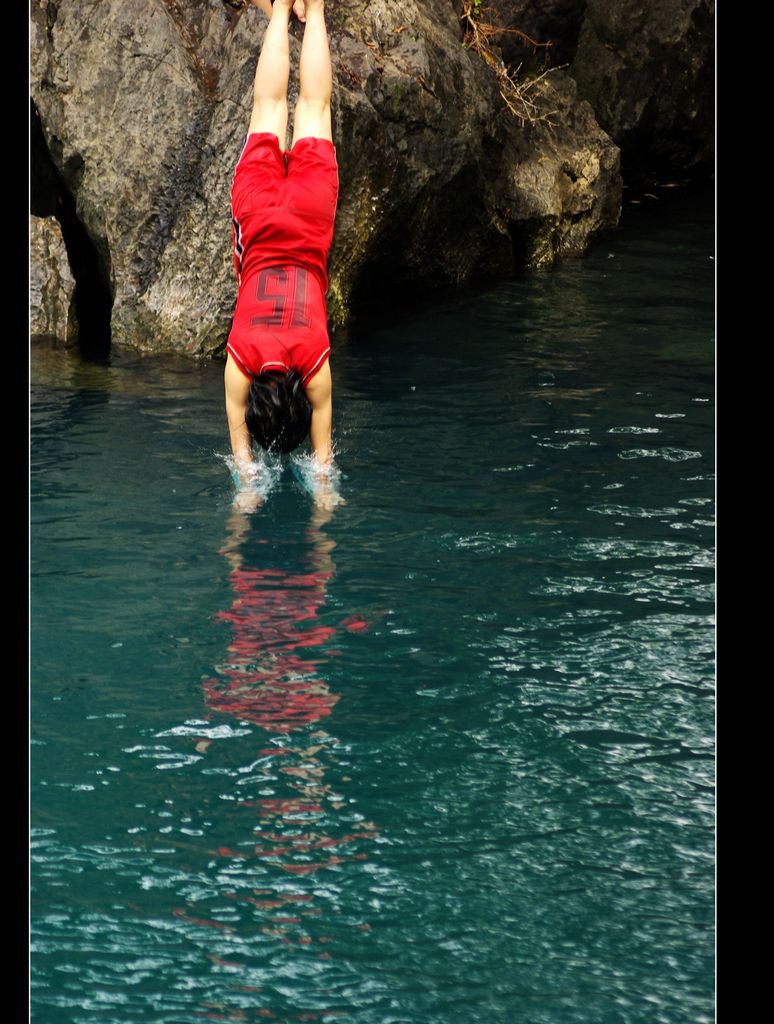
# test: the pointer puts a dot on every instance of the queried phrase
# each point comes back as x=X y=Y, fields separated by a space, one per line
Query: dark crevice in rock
x=378 y=308
x=52 y=11
x=642 y=167
x=50 y=197
x=522 y=244
x=554 y=25
x=375 y=290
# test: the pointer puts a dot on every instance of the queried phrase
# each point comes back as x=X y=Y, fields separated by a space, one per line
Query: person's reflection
x=294 y=822
x=271 y=676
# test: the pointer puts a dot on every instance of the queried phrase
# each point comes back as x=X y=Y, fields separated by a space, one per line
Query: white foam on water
x=323 y=482
x=213 y=732
x=255 y=480
x=260 y=478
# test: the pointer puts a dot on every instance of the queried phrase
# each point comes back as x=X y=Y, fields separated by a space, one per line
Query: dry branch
x=516 y=94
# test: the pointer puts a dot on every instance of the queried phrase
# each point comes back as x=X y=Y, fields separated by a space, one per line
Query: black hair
x=278 y=412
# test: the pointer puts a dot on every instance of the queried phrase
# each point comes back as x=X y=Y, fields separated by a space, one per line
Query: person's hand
x=247 y=501
x=325 y=491
x=326 y=498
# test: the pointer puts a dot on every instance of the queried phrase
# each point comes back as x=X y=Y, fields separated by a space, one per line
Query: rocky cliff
x=647 y=69
x=52 y=287
x=143 y=110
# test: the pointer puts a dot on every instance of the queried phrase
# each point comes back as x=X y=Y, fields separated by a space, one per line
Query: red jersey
x=283 y=206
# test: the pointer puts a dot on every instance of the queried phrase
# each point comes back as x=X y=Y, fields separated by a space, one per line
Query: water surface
x=442 y=754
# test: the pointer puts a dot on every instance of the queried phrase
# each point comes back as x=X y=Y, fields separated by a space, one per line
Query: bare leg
x=313 y=109
x=270 y=92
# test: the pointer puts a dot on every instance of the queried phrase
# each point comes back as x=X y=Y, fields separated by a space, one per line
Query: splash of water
x=258 y=479
x=323 y=482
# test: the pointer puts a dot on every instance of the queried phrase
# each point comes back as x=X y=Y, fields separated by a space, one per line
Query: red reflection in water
x=204 y=922
x=272 y=676
x=267 y=680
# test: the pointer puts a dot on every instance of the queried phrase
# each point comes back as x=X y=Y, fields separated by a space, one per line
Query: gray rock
x=647 y=70
x=145 y=106
x=52 y=287
x=565 y=183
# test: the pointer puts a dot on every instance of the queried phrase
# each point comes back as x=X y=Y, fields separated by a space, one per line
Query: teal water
x=441 y=754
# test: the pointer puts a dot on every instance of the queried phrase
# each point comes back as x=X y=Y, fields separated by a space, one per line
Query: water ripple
x=442 y=752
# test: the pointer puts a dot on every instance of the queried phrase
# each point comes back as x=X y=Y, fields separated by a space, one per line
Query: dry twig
x=515 y=94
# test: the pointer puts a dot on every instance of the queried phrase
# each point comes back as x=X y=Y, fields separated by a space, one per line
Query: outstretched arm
x=319 y=391
x=237 y=390
x=247 y=498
